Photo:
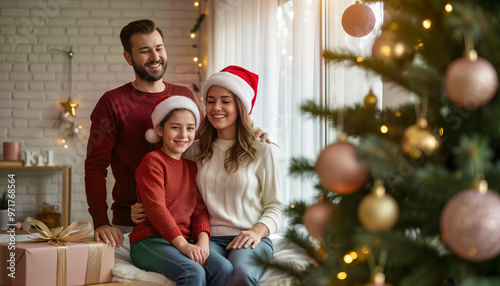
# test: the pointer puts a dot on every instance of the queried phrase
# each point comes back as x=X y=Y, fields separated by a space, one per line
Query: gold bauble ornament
x=339 y=168
x=370 y=100
x=378 y=211
x=418 y=140
x=318 y=216
x=392 y=48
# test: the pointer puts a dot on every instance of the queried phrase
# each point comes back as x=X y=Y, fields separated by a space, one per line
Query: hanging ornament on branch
x=417 y=139
x=370 y=100
x=358 y=20
x=339 y=168
x=392 y=48
x=318 y=216
x=470 y=223
x=378 y=211
x=471 y=81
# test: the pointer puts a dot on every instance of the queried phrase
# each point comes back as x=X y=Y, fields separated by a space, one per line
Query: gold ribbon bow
x=59 y=235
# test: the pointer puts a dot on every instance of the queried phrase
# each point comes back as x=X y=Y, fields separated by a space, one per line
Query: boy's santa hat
x=241 y=82
x=164 y=105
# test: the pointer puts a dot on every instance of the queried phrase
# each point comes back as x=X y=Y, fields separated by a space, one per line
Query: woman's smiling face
x=222 y=111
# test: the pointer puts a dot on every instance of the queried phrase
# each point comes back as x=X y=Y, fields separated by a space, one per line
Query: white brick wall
x=34 y=78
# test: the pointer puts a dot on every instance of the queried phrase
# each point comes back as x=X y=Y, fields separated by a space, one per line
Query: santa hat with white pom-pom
x=165 y=105
x=241 y=82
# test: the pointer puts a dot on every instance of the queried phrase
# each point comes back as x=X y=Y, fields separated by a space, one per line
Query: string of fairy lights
x=195 y=34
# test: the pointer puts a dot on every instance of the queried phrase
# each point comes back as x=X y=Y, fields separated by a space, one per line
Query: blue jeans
x=157 y=255
x=246 y=270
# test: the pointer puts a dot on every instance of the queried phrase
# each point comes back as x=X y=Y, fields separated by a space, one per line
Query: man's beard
x=147 y=76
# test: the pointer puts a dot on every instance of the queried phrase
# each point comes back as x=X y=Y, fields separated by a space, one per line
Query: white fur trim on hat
x=165 y=107
x=234 y=83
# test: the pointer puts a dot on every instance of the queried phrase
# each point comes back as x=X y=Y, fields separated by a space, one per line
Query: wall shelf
x=66 y=186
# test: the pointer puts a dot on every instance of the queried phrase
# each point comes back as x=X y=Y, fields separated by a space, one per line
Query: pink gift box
x=36 y=264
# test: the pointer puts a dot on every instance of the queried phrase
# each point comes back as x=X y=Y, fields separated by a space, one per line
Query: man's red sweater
x=166 y=187
x=119 y=122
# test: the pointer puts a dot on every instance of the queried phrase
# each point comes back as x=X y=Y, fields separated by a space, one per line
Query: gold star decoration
x=69 y=107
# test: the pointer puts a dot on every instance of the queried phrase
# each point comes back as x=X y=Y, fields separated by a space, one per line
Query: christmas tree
x=409 y=195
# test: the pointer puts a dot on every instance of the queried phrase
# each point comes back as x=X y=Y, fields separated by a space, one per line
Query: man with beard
x=119 y=121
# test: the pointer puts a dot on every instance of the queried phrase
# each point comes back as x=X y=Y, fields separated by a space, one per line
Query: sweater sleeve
x=150 y=178
x=268 y=174
x=200 y=220
x=103 y=132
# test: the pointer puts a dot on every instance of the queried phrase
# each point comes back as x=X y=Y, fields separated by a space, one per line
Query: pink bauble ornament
x=358 y=20
x=339 y=168
x=318 y=216
x=470 y=225
x=471 y=83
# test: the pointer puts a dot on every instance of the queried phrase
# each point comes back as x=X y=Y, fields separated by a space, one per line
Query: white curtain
x=279 y=40
x=300 y=74
x=244 y=33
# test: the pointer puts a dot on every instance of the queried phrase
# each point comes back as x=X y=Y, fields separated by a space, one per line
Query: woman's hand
x=249 y=237
x=137 y=213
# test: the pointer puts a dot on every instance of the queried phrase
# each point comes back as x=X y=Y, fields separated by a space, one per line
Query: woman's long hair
x=242 y=153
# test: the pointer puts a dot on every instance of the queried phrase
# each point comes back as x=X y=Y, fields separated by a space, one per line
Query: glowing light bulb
x=427 y=24
x=195 y=59
x=342 y=275
x=360 y=59
x=348 y=259
x=353 y=254
x=196 y=4
x=448 y=8
x=200 y=65
x=384 y=129
x=193 y=35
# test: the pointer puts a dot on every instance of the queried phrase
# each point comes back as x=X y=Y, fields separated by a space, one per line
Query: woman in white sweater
x=238 y=176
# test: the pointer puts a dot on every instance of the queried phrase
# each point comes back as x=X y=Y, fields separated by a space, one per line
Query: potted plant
x=4 y=215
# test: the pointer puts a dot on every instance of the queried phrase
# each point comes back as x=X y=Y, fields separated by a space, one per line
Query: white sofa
x=126 y=272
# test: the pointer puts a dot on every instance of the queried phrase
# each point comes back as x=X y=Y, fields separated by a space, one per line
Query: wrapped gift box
x=36 y=263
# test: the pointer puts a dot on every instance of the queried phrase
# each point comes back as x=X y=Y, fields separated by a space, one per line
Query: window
x=282 y=41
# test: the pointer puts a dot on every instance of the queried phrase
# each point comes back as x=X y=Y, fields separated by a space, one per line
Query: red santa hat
x=241 y=82
x=165 y=105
